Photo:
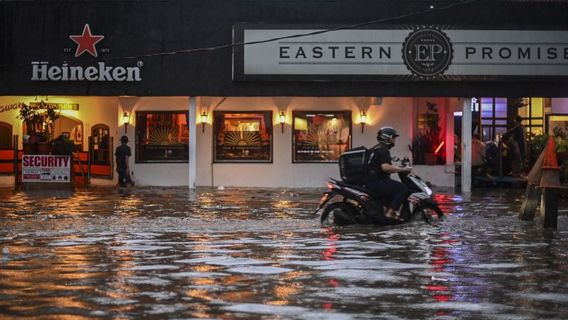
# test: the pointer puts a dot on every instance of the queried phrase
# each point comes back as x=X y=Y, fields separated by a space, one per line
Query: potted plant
x=39 y=123
x=535 y=145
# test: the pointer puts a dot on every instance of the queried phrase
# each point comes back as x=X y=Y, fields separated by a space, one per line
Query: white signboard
x=46 y=168
x=422 y=53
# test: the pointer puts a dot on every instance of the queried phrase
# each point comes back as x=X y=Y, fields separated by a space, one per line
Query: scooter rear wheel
x=339 y=213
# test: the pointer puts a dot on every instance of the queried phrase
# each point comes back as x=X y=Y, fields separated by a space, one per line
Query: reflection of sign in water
x=46 y=168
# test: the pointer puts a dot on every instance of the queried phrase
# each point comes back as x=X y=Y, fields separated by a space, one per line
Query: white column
x=450 y=137
x=466 y=147
x=192 y=124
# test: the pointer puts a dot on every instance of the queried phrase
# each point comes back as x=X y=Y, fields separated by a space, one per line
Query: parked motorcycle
x=351 y=203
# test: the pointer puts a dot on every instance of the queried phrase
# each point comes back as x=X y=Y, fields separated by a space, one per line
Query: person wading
x=122 y=155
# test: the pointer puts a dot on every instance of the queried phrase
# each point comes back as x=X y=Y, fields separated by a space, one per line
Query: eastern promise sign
x=425 y=53
x=46 y=168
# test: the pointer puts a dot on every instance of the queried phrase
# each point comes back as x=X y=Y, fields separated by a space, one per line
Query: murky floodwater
x=170 y=253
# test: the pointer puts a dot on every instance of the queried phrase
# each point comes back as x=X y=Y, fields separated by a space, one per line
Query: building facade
x=269 y=93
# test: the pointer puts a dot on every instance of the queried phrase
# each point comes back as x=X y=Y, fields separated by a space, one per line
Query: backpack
x=354 y=165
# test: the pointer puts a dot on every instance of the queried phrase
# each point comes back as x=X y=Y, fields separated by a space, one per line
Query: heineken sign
x=421 y=53
x=94 y=71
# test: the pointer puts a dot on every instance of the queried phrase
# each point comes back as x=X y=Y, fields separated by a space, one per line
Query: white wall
x=153 y=174
x=399 y=113
x=396 y=112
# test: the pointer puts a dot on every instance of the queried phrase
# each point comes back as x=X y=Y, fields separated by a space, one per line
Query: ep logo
x=427 y=52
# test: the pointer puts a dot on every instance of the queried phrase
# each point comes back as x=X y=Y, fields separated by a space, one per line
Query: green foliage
x=536 y=143
x=561 y=144
x=39 y=119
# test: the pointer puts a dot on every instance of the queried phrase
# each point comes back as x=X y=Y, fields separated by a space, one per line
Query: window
x=242 y=136
x=320 y=136
x=162 y=136
x=5 y=135
x=557 y=125
x=493 y=117
x=532 y=112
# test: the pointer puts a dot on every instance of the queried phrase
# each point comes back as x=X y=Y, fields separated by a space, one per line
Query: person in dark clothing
x=515 y=139
x=380 y=168
x=122 y=155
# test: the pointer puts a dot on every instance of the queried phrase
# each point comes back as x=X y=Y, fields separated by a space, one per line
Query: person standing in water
x=122 y=155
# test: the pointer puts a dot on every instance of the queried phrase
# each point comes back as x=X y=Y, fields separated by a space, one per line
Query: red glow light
x=436 y=288
x=439 y=147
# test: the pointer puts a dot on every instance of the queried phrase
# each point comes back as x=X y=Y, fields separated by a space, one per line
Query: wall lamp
x=363 y=120
x=282 y=119
x=203 y=120
x=126 y=121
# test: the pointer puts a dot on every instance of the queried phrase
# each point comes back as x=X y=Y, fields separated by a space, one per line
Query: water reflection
x=166 y=253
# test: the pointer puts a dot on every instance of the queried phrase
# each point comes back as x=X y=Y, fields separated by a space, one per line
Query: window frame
x=103 y=127
x=548 y=129
x=347 y=114
x=493 y=126
x=267 y=114
x=137 y=136
x=528 y=121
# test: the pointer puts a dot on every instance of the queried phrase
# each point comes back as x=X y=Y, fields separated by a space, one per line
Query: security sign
x=46 y=168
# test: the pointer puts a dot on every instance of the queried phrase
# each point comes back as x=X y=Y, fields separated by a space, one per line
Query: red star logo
x=86 y=42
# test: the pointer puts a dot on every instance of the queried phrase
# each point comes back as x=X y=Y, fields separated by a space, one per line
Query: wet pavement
x=170 y=253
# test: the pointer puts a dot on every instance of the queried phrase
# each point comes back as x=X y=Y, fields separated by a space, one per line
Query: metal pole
x=16 y=162
x=550 y=206
x=192 y=123
x=89 y=157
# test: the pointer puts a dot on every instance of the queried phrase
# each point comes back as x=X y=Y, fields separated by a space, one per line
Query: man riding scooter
x=380 y=167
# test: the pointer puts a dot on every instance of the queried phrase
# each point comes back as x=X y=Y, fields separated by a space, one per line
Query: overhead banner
x=425 y=53
x=46 y=168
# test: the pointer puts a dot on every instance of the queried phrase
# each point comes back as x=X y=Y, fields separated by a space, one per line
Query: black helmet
x=386 y=136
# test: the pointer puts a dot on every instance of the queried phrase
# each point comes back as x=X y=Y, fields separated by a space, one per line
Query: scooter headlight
x=428 y=190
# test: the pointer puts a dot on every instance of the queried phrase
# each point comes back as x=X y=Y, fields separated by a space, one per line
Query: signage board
x=46 y=168
x=57 y=106
x=98 y=71
x=421 y=53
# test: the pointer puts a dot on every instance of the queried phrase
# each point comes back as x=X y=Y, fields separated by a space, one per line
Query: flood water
x=170 y=253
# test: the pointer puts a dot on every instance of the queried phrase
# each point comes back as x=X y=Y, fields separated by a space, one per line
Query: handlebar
x=404 y=162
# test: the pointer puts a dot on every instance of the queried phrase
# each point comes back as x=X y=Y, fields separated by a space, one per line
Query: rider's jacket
x=379 y=155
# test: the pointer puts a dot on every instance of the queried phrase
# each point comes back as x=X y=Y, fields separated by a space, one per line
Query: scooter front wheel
x=430 y=212
x=339 y=213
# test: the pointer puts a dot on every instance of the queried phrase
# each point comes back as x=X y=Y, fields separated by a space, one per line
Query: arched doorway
x=100 y=135
x=5 y=135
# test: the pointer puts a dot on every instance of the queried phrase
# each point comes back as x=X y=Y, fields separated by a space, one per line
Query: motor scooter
x=350 y=203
